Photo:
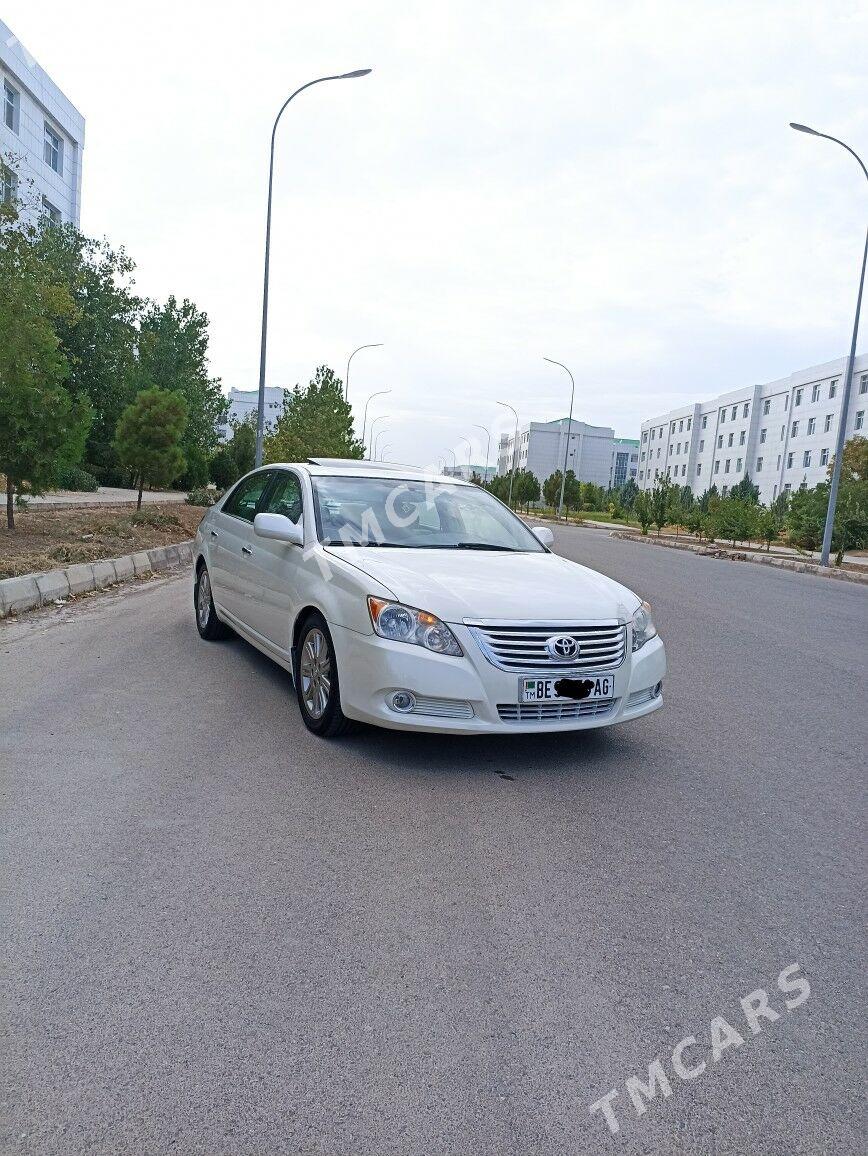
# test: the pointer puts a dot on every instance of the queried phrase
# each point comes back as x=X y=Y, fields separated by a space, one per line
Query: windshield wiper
x=483 y=546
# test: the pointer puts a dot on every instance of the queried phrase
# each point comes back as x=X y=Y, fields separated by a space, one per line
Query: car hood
x=476 y=584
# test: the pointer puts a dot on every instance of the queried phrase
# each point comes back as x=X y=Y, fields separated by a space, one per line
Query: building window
x=678 y=448
x=863 y=383
x=789 y=461
x=8 y=184
x=767 y=405
x=701 y=444
x=806 y=459
x=726 y=465
x=815 y=393
x=683 y=470
x=812 y=425
x=794 y=430
x=833 y=389
x=759 y=465
x=11 y=106
x=824 y=457
x=698 y=469
x=786 y=402
x=717 y=467
x=53 y=214
x=729 y=440
x=787 y=487
x=860 y=419
x=681 y=426
x=52 y=150
x=738 y=465
x=741 y=438
x=797 y=400
x=827 y=425
x=763 y=433
x=644 y=435
x=672 y=428
x=746 y=409
x=652 y=435
x=783 y=432
x=722 y=416
x=779 y=462
x=734 y=412
x=720 y=441
x=658 y=451
x=690 y=419
x=705 y=421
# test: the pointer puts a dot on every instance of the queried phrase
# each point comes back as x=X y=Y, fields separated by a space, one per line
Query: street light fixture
x=260 y=419
x=376 y=440
x=384 y=451
x=371 y=397
x=506 y=405
x=376 y=345
x=569 y=434
x=469 y=451
x=848 y=380
x=488 y=445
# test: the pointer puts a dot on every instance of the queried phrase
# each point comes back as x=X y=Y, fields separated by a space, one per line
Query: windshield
x=415 y=515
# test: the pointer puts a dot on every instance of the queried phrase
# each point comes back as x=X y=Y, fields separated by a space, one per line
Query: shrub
x=75 y=478
x=159 y=519
x=203 y=497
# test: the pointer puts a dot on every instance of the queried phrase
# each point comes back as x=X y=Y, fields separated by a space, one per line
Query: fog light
x=402 y=701
x=658 y=689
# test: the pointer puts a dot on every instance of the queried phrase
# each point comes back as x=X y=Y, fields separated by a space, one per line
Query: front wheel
x=316 y=681
x=207 y=623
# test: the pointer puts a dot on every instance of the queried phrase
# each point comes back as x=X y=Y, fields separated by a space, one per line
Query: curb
x=30 y=591
x=748 y=556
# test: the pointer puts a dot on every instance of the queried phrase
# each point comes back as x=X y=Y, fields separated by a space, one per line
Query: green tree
x=99 y=338
x=173 y=355
x=661 y=500
x=552 y=489
x=526 y=488
x=41 y=427
x=642 y=508
x=316 y=421
x=572 y=491
x=768 y=527
x=736 y=519
x=746 y=490
x=150 y=435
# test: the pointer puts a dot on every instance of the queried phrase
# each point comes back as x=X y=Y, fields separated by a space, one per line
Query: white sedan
x=419 y=602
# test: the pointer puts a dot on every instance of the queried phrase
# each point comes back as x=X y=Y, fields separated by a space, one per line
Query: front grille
x=442 y=707
x=520 y=646
x=640 y=697
x=554 y=711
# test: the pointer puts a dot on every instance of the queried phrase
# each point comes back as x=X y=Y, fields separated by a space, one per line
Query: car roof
x=364 y=468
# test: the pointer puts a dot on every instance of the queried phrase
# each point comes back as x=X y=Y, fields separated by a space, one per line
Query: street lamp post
x=488 y=446
x=469 y=450
x=506 y=405
x=260 y=419
x=371 y=397
x=376 y=345
x=376 y=440
x=379 y=417
x=848 y=380
x=454 y=458
x=569 y=434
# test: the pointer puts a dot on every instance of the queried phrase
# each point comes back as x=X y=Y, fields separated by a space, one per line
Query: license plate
x=579 y=687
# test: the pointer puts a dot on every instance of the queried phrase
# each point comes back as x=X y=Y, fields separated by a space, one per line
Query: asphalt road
x=225 y=936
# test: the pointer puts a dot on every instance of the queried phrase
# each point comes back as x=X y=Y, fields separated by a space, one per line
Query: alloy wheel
x=315 y=670
x=203 y=598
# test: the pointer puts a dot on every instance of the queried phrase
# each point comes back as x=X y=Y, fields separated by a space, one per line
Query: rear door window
x=244 y=500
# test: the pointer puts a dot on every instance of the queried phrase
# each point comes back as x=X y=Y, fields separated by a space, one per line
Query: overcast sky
x=613 y=185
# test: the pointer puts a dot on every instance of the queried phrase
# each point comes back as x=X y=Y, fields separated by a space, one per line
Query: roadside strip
x=30 y=591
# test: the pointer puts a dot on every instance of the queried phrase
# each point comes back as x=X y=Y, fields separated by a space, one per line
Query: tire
x=315 y=673
x=207 y=623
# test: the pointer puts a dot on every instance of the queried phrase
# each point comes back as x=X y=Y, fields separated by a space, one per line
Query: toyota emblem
x=562 y=646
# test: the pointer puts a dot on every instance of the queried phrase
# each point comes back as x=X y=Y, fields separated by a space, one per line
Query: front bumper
x=372 y=668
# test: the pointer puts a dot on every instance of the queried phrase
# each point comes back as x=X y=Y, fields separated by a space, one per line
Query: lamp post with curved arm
x=569 y=434
x=260 y=419
x=379 y=417
x=376 y=441
x=506 y=405
x=376 y=345
x=371 y=397
x=384 y=451
x=848 y=380
x=487 y=448
x=469 y=451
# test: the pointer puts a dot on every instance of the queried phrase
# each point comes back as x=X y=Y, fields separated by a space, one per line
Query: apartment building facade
x=782 y=433
x=542 y=445
x=41 y=137
x=243 y=403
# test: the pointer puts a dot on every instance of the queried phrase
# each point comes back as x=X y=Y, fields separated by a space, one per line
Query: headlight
x=418 y=627
x=643 y=627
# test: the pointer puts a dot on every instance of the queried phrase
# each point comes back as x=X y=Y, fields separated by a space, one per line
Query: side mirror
x=544 y=534
x=279 y=528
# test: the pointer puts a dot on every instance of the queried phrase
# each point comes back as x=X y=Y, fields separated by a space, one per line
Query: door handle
x=214 y=534
x=246 y=550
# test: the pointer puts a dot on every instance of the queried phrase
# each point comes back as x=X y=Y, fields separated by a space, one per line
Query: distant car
x=419 y=602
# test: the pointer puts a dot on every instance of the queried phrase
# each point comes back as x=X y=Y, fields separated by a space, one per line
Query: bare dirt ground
x=51 y=538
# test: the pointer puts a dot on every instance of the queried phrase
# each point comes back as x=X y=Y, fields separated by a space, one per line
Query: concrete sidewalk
x=105 y=496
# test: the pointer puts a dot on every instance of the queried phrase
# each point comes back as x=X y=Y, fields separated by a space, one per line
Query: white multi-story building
x=780 y=434
x=41 y=137
x=541 y=448
x=625 y=461
x=243 y=403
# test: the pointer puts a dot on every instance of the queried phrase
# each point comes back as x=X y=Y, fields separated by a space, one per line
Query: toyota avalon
x=419 y=602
